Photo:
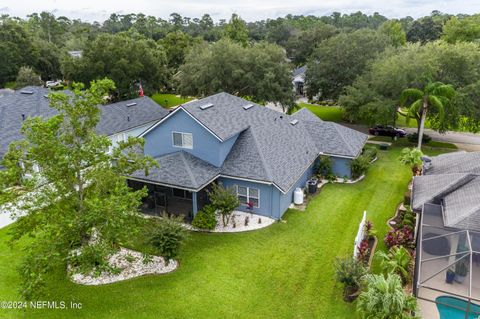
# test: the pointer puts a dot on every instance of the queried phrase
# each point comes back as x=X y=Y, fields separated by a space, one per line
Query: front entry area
x=169 y=200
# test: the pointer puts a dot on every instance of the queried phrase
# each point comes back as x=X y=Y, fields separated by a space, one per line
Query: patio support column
x=194 y=203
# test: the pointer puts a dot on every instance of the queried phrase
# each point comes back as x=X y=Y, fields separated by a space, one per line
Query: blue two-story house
x=260 y=153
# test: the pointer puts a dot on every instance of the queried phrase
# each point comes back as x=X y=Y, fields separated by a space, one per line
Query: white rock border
x=239 y=218
x=129 y=269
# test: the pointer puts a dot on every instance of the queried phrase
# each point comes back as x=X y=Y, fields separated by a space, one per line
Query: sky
x=250 y=10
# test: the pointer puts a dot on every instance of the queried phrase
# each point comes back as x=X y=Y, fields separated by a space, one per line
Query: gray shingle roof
x=462 y=207
x=116 y=117
x=432 y=188
x=453 y=179
x=180 y=169
x=300 y=70
x=457 y=162
x=269 y=148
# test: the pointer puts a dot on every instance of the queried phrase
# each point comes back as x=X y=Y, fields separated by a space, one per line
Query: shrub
x=363 y=252
x=92 y=258
x=224 y=200
x=349 y=272
x=205 y=219
x=413 y=158
x=359 y=166
x=407 y=197
x=397 y=261
x=384 y=298
x=370 y=152
x=324 y=166
x=167 y=237
x=400 y=237
x=413 y=138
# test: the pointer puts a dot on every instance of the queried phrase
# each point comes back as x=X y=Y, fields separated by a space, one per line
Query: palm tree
x=384 y=299
x=396 y=261
x=435 y=95
x=413 y=158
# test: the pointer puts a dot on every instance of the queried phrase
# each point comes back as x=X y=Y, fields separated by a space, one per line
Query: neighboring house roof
x=300 y=71
x=454 y=180
x=270 y=147
x=116 y=117
x=432 y=188
x=184 y=171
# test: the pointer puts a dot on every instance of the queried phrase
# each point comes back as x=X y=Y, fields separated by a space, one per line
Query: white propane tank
x=298 y=196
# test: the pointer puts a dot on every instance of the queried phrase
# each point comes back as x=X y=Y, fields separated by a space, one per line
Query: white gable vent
x=26 y=92
x=294 y=122
x=248 y=106
x=131 y=104
x=206 y=106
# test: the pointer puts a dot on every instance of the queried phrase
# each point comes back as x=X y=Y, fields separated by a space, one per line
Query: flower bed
x=130 y=264
x=239 y=222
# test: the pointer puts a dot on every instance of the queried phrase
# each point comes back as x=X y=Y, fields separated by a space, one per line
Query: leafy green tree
x=340 y=59
x=48 y=62
x=300 y=46
x=126 y=58
x=236 y=30
x=462 y=29
x=413 y=158
x=396 y=261
x=224 y=200
x=373 y=97
x=435 y=96
x=176 y=45
x=26 y=77
x=260 y=71
x=16 y=50
x=84 y=193
x=424 y=30
x=394 y=30
x=384 y=298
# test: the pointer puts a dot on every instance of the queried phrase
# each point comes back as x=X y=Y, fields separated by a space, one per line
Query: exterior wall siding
x=266 y=191
x=287 y=199
x=115 y=138
x=207 y=147
x=341 y=166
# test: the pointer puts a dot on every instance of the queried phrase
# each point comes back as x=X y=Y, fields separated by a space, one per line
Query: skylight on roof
x=26 y=92
x=248 y=106
x=206 y=106
x=294 y=122
x=131 y=104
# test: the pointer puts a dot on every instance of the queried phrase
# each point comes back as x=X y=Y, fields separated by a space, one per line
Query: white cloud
x=92 y=10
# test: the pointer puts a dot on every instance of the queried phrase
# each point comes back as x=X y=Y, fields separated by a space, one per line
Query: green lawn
x=326 y=113
x=169 y=100
x=283 y=271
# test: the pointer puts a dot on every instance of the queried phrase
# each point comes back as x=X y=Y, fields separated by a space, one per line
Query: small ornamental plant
x=363 y=251
x=400 y=237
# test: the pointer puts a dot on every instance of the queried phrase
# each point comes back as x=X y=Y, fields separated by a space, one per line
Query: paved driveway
x=465 y=141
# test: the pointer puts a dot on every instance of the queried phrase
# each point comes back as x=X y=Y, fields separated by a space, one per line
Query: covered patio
x=177 y=186
x=447 y=277
x=169 y=200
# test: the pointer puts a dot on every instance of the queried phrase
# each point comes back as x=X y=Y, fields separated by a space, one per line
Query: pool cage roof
x=448 y=265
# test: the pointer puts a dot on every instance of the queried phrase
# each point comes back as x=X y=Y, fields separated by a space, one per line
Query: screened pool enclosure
x=447 y=276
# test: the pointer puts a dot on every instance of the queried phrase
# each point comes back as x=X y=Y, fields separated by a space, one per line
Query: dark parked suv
x=387 y=130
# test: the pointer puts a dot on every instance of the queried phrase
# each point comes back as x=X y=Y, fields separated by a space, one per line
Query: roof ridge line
x=342 y=137
x=189 y=171
x=467 y=215
x=262 y=158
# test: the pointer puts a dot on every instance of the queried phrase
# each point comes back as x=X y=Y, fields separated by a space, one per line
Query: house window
x=183 y=140
x=248 y=195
